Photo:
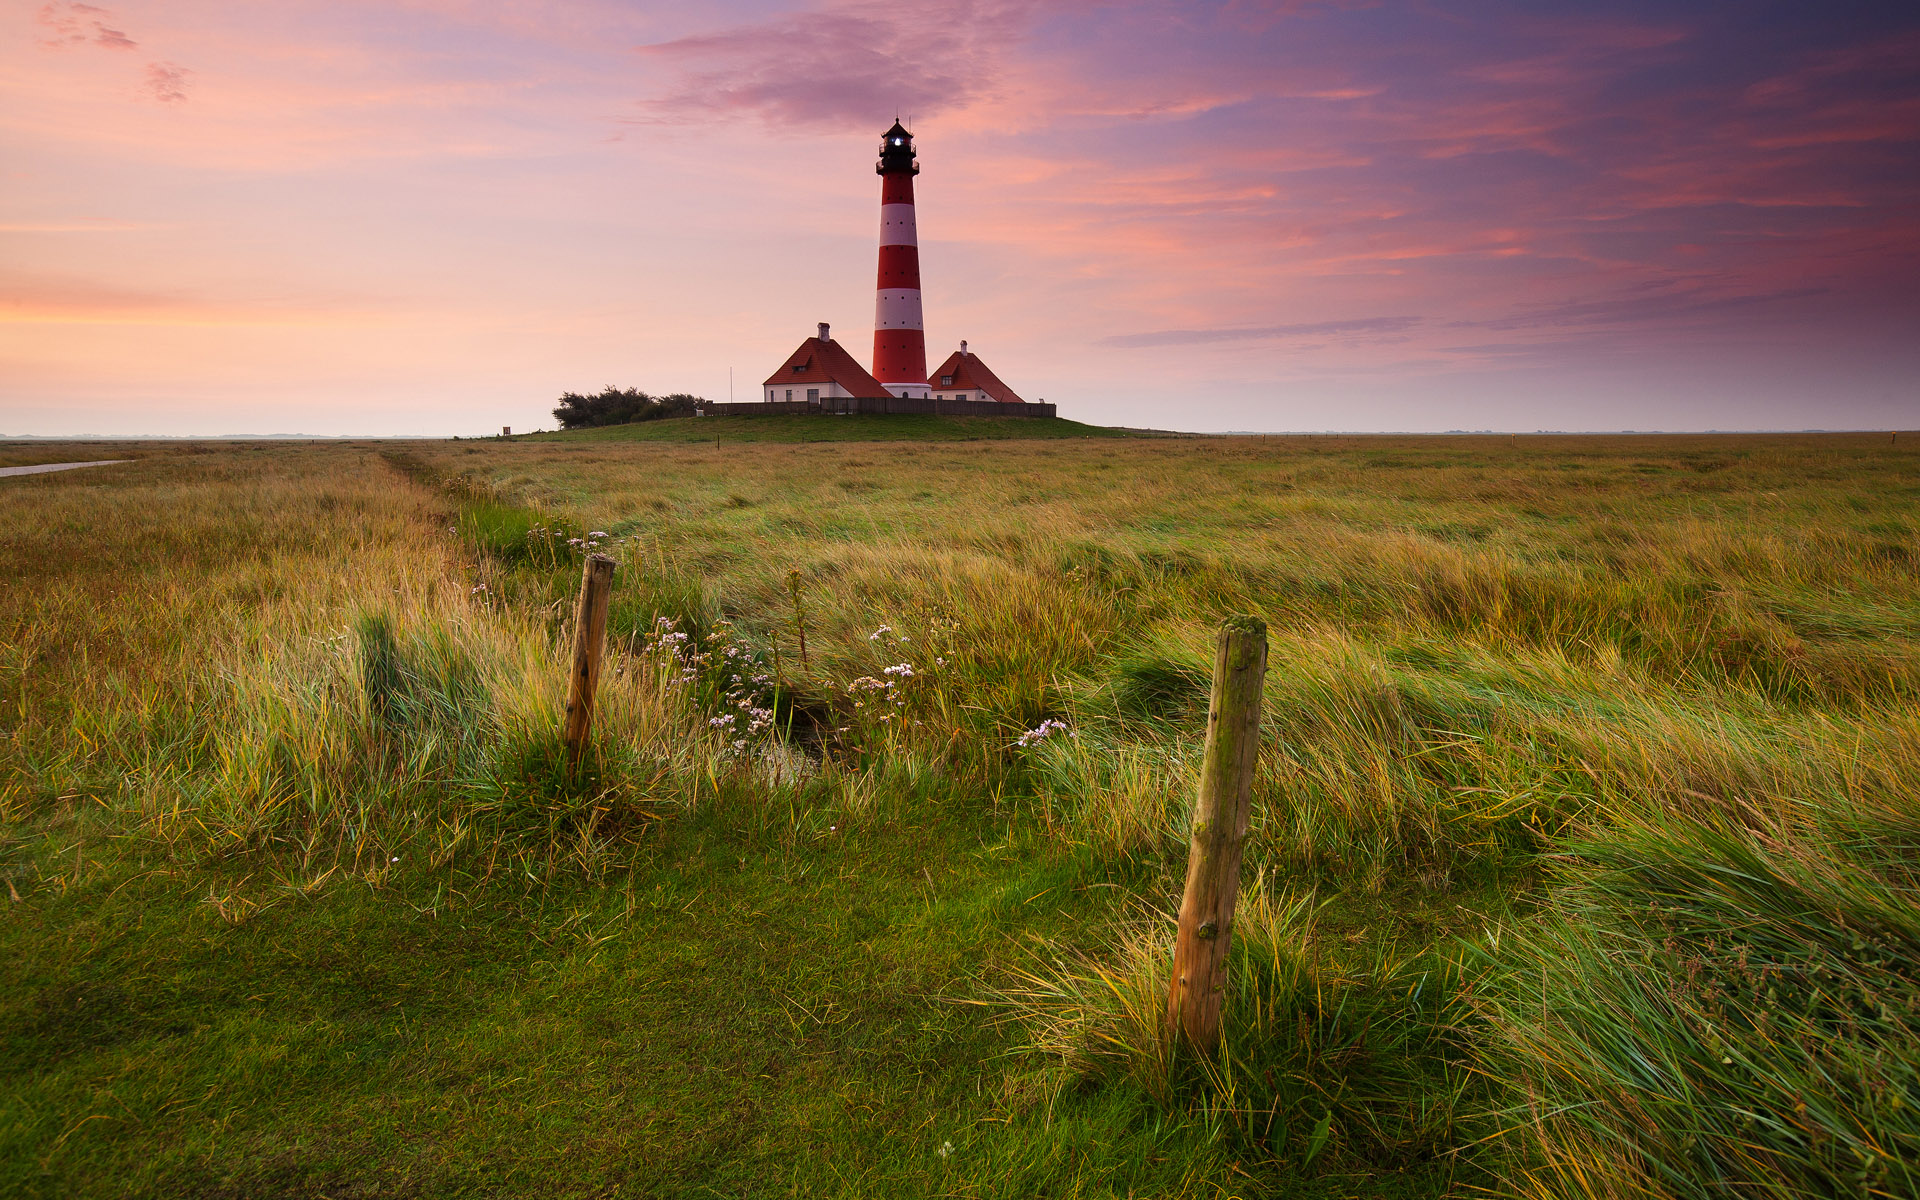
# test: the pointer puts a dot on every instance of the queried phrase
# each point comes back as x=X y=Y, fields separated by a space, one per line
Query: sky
x=435 y=216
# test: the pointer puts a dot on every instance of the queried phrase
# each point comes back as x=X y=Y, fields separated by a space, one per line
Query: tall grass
x=1721 y=1004
x=1476 y=641
x=344 y=692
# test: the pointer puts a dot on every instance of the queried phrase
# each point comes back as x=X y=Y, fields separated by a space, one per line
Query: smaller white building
x=964 y=377
x=821 y=369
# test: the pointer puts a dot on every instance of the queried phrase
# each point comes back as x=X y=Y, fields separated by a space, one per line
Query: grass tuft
x=1326 y=1056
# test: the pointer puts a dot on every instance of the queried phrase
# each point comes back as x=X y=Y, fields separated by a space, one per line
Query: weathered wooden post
x=589 y=637
x=1219 y=830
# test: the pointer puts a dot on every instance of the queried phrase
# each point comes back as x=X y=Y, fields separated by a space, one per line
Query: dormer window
x=946 y=381
x=799 y=367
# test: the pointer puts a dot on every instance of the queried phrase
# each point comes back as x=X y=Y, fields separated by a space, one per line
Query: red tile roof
x=818 y=361
x=969 y=374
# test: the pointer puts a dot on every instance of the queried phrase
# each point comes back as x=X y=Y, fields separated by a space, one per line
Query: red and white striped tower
x=899 y=339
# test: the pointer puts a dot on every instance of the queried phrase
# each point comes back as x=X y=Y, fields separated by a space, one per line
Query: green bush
x=621 y=406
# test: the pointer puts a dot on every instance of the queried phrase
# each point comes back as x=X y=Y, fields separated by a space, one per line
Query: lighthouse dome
x=896 y=152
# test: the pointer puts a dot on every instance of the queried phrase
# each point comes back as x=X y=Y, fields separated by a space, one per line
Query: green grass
x=835 y=429
x=723 y=1014
x=1721 y=1004
x=310 y=902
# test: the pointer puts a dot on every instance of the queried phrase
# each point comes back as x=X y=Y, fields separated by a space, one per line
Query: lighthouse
x=899 y=337
x=822 y=377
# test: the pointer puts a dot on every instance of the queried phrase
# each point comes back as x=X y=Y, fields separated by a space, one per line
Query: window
x=946 y=381
x=799 y=367
x=789 y=393
x=813 y=395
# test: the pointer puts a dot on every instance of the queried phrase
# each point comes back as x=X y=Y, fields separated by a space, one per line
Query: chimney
x=823 y=332
x=963 y=347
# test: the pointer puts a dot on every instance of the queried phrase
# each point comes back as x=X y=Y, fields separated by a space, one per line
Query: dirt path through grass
x=44 y=467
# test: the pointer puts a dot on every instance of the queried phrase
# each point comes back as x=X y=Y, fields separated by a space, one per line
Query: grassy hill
x=838 y=429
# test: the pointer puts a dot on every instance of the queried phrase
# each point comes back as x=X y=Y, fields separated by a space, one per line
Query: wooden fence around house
x=881 y=405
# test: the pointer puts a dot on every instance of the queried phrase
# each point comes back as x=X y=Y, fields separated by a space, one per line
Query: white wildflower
x=1043 y=731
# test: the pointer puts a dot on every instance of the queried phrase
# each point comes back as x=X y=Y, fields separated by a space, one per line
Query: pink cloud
x=71 y=24
x=1889 y=58
x=167 y=82
x=1584 y=52
x=33 y=299
x=1367 y=328
x=844 y=65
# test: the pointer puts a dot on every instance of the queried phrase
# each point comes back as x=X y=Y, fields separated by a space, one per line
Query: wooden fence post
x=1219 y=830
x=589 y=637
